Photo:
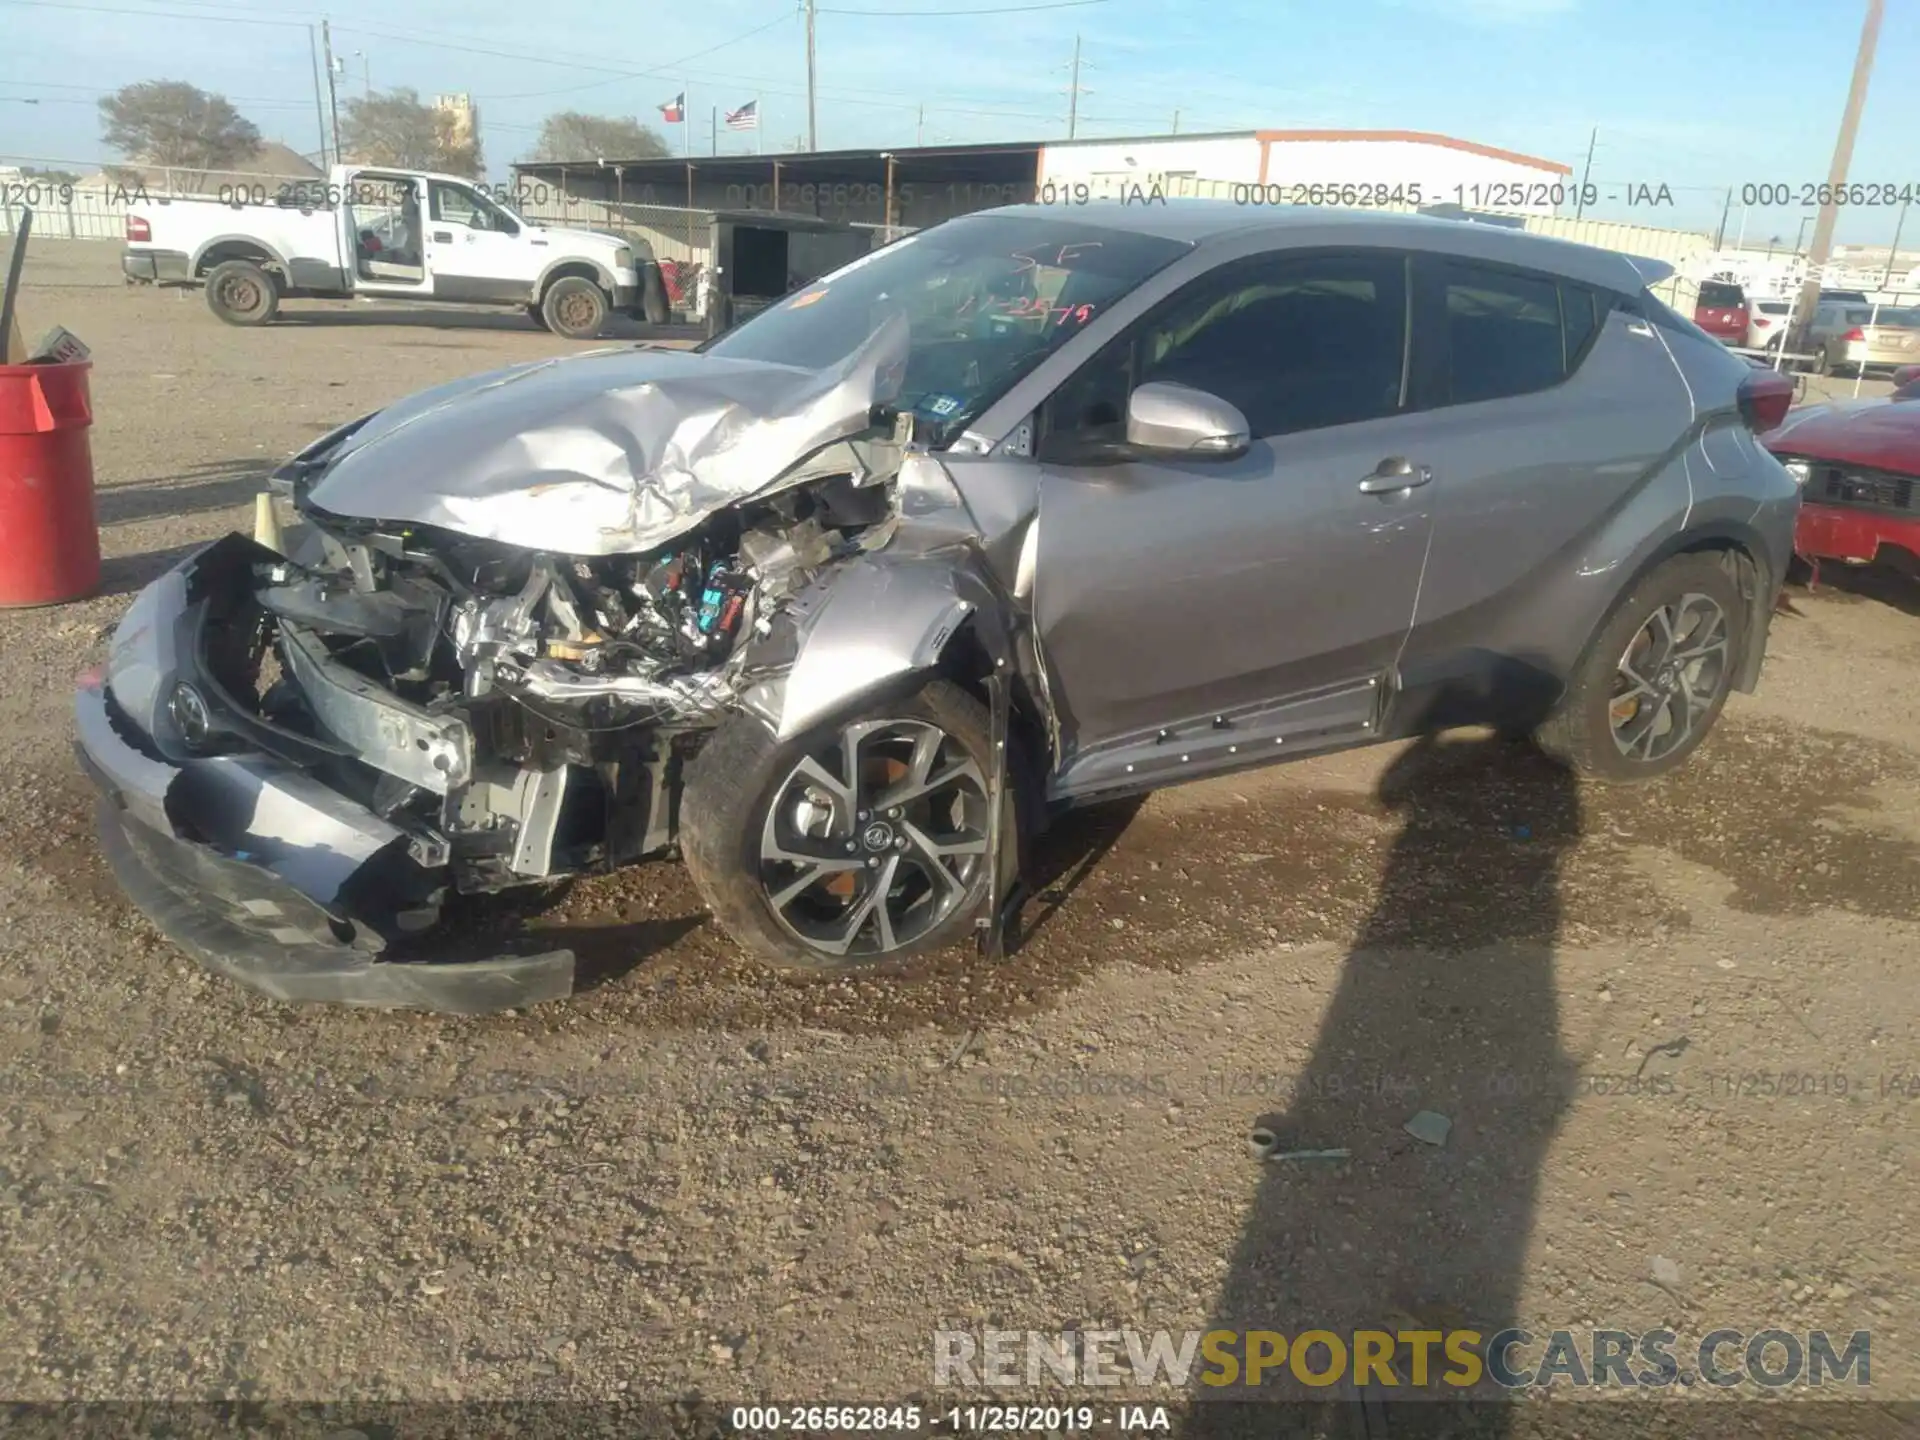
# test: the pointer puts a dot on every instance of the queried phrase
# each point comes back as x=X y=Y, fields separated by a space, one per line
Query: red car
x=1858 y=464
x=1721 y=310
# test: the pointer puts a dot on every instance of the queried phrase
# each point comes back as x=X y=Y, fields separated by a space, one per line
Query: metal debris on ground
x=1429 y=1127
x=1263 y=1144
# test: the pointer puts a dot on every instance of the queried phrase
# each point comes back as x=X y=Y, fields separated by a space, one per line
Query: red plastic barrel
x=49 y=542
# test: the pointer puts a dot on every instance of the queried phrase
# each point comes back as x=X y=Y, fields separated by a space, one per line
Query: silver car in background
x=1885 y=338
x=1023 y=512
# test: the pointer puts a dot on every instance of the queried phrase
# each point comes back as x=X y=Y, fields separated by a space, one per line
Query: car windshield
x=986 y=297
x=1900 y=319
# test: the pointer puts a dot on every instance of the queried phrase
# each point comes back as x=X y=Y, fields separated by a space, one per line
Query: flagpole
x=760 y=131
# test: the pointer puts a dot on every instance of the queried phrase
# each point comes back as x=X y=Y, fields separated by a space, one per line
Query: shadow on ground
x=217 y=485
x=1444 y=1009
x=507 y=318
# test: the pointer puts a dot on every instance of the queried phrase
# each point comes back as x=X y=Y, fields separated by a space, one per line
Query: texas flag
x=674 y=112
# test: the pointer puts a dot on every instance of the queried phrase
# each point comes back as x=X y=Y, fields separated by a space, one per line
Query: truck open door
x=383 y=233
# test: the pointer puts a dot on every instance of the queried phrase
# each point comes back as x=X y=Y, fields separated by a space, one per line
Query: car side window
x=1294 y=343
x=1580 y=317
x=1504 y=333
x=457 y=205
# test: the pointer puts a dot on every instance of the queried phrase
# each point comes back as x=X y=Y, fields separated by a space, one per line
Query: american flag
x=674 y=112
x=747 y=117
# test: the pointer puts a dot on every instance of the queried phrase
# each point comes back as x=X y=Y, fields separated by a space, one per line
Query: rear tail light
x=1761 y=322
x=1765 y=398
x=138 y=229
x=1856 y=333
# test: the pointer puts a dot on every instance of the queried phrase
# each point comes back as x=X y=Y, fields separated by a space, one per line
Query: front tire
x=858 y=845
x=241 y=293
x=1655 y=678
x=575 y=308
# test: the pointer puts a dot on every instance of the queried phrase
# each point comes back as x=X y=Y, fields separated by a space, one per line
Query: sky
x=1702 y=96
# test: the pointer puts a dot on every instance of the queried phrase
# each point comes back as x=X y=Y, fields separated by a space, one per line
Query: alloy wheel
x=874 y=838
x=1669 y=678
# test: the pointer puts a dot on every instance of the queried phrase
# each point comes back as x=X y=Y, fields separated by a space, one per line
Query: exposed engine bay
x=529 y=711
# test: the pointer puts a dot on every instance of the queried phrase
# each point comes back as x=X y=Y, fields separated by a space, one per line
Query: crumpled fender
x=881 y=618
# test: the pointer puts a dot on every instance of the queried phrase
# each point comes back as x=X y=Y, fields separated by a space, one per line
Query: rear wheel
x=241 y=293
x=574 y=307
x=1655 y=678
x=860 y=843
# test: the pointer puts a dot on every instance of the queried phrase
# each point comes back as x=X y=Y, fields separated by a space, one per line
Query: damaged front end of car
x=508 y=615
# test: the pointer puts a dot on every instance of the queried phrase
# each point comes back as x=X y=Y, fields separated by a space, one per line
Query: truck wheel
x=860 y=843
x=241 y=293
x=1656 y=676
x=534 y=314
x=574 y=307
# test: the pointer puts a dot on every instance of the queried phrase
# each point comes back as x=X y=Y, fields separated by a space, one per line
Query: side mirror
x=1179 y=419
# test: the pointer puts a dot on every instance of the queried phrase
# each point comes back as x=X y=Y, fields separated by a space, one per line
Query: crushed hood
x=610 y=452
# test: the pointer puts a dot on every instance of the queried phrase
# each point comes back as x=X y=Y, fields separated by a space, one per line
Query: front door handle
x=1393 y=475
x=445 y=237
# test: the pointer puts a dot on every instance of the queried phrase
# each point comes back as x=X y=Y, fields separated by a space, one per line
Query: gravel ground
x=695 y=1178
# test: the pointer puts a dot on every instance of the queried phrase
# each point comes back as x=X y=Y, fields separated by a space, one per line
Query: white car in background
x=1767 y=324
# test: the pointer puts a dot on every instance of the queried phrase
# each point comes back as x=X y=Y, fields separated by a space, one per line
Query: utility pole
x=319 y=100
x=1580 y=200
x=1898 y=225
x=1837 y=172
x=1720 y=235
x=813 y=132
x=713 y=143
x=920 y=128
x=333 y=96
x=1073 y=92
x=1176 y=122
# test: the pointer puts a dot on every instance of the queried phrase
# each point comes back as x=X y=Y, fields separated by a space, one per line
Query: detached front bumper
x=257 y=868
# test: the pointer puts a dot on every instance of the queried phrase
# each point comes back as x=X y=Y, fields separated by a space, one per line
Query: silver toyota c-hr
x=1027 y=510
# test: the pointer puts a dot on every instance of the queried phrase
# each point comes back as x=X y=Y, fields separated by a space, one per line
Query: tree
x=172 y=123
x=570 y=135
x=396 y=127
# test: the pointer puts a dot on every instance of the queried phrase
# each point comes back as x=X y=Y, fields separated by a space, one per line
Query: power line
x=155 y=14
x=948 y=14
x=666 y=69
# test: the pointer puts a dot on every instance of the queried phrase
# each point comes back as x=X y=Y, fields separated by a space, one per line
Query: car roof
x=1209 y=223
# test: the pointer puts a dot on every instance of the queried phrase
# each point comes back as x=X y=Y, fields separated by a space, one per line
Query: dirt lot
x=693 y=1178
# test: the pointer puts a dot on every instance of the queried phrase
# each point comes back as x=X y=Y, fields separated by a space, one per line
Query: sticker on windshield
x=940 y=404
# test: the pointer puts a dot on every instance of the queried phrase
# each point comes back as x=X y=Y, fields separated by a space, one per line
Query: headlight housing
x=1800 y=470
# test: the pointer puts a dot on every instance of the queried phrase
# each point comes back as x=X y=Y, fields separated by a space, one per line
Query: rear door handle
x=1393 y=475
x=445 y=237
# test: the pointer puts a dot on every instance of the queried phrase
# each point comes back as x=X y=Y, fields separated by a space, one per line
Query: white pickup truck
x=386 y=233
